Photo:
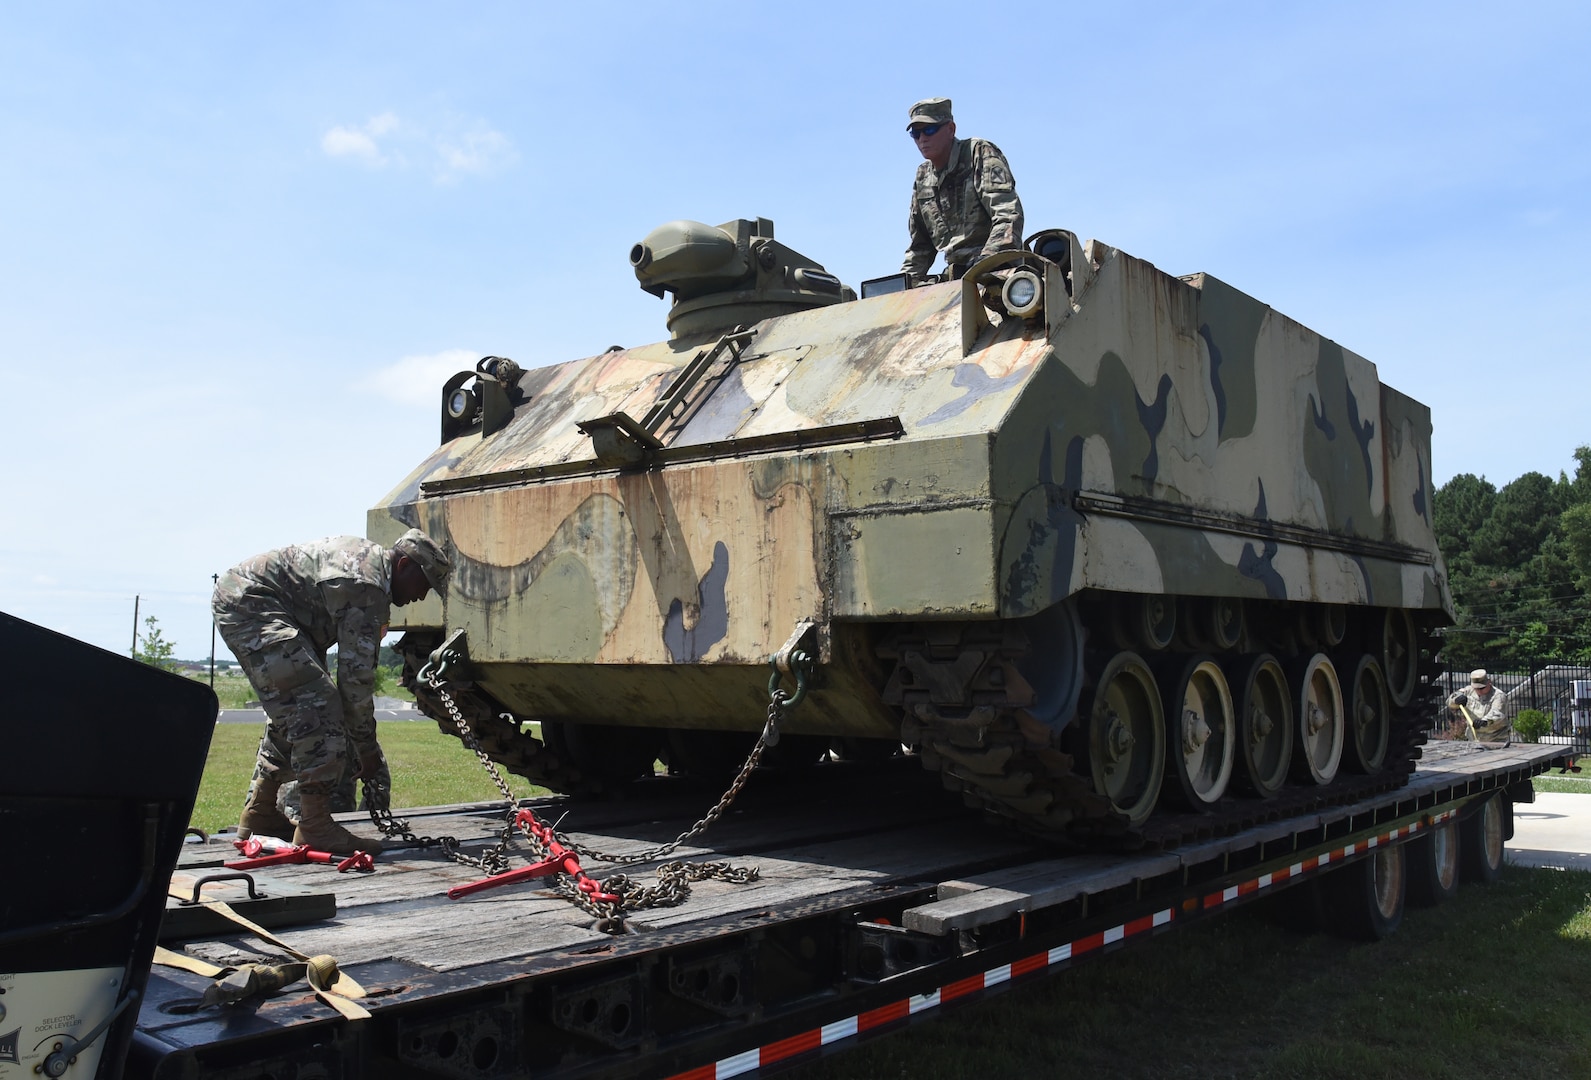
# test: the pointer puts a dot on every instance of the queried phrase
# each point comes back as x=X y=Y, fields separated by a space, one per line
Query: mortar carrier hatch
x=1089 y=539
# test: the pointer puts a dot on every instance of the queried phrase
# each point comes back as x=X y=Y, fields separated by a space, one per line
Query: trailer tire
x=1433 y=865
x=1365 y=898
x=1483 y=836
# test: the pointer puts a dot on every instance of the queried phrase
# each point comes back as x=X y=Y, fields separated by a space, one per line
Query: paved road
x=1553 y=831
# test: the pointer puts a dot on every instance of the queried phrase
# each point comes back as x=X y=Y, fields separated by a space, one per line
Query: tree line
x=1519 y=561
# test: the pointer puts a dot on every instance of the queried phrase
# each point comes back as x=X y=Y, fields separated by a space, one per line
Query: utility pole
x=135 y=628
x=214 y=578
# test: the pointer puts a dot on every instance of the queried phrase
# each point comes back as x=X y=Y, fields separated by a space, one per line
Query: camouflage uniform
x=968 y=211
x=279 y=613
x=1485 y=709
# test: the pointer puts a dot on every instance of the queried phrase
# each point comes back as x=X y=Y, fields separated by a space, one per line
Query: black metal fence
x=1561 y=691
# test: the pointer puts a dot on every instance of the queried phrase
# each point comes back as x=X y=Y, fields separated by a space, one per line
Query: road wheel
x=1320 y=721
x=1369 y=718
x=1400 y=655
x=1127 y=737
x=1481 y=841
x=1433 y=865
x=1264 y=724
x=1365 y=898
x=1200 y=730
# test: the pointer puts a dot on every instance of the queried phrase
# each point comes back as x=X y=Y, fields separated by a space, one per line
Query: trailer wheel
x=1481 y=841
x=1366 y=898
x=1433 y=865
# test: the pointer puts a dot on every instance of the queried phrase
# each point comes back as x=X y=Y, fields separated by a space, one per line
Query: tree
x=1525 y=512
x=156 y=650
x=1461 y=506
x=1575 y=525
x=1519 y=563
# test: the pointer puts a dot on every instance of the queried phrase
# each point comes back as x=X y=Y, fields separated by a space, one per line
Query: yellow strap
x=168 y=958
x=343 y=985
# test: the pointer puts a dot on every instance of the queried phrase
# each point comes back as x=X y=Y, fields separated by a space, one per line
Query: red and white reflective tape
x=885 y=1015
x=1297 y=869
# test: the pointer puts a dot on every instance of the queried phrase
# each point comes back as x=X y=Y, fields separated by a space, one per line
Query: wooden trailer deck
x=840 y=843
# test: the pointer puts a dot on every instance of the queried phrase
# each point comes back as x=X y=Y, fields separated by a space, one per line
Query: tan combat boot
x=319 y=831
x=261 y=814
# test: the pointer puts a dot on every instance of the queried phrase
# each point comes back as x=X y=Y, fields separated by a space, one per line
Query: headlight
x=461 y=404
x=1023 y=293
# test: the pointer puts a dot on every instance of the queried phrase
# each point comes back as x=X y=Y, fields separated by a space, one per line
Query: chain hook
x=793 y=659
x=799 y=665
x=443 y=658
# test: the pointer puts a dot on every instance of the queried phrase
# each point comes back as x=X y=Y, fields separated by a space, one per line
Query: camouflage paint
x=1159 y=435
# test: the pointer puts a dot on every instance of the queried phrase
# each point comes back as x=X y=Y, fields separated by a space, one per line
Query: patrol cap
x=1478 y=677
x=433 y=561
x=934 y=110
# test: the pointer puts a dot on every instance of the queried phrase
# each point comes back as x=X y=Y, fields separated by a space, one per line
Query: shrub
x=1532 y=724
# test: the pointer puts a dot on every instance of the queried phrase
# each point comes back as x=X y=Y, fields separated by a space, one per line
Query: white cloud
x=417 y=380
x=459 y=147
x=473 y=152
x=360 y=143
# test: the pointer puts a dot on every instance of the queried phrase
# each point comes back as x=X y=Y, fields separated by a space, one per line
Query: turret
x=728 y=276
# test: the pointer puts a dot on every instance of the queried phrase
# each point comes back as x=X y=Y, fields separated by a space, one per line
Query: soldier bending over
x=279 y=612
x=1484 y=703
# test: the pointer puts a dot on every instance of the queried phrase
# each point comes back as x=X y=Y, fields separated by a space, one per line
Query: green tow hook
x=799 y=666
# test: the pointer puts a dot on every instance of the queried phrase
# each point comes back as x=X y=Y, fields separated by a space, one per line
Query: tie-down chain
x=611 y=900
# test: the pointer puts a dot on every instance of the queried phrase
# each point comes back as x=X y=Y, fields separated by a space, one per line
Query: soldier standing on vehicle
x=964 y=199
x=1484 y=704
x=279 y=613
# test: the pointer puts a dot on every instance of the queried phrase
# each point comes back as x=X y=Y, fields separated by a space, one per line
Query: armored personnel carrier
x=1087 y=538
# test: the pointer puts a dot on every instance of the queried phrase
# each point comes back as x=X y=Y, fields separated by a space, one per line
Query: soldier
x=1484 y=704
x=279 y=612
x=964 y=200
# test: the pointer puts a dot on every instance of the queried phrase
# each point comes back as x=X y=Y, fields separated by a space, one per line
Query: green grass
x=428 y=769
x=1566 y=784
x=1494 y=983
x=234 y=692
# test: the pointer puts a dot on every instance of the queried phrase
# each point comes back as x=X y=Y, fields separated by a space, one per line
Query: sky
x=242 y=244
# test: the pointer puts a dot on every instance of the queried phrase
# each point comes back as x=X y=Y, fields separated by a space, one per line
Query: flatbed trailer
x=877 y=899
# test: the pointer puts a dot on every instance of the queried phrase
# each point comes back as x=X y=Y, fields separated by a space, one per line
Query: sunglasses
x=924 y=131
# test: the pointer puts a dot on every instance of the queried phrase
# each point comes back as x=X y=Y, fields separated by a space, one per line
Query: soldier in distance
x=1484 y=703
x=964 y=200
x=279 y=613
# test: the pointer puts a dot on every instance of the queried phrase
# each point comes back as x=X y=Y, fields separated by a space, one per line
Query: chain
x=673 y=878
x=493 y=860
x=769 y=737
